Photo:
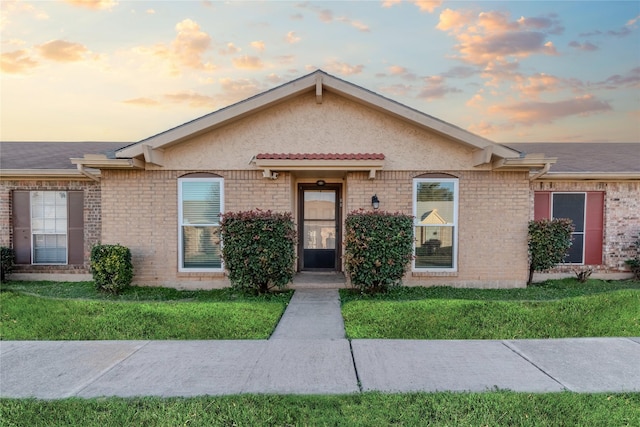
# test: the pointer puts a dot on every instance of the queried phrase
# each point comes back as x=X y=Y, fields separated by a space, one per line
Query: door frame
x=337 y=187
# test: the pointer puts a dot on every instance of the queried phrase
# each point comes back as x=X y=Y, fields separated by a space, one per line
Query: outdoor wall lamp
x=375 y=202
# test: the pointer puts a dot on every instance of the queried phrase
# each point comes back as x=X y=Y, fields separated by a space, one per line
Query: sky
x=510 y=71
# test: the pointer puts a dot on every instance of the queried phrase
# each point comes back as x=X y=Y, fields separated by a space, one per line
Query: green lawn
x=554 y=309
x=367 y=409
x=75 y=311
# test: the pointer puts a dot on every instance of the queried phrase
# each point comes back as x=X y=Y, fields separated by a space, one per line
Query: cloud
x=343 y=68
x=248 y=62
x=234 y=90
x=534 y=112
x=492 y=38
x=17 y=62
x=63 y=51
x=587 y=46
x=9 y=8
x=258 y=45
x=397 y=90
x=292 y=37
x=326 y=16
x=186 y=50
x=460 y=72
x=397 y=70
x=93 y=4
x=192 y=99
x=142 y=102
x=424 y=5
x=229 y=49
x=631 y=79
x=434 y=87
x=536 y=84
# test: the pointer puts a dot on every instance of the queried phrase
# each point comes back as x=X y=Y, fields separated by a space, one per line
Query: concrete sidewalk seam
x=535 y=365
x=355 y=367
x=79 y=389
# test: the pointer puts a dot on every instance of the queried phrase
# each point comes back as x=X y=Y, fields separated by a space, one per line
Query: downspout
x=544 y=170
x=86 y=173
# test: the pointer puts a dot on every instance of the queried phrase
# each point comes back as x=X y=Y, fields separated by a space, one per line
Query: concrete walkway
x=308 y=354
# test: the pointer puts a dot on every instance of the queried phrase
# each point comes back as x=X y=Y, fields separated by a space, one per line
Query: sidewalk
x=308 y=354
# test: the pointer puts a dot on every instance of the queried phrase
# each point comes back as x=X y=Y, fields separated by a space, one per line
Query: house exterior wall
x=621 y=219
x=92 y=220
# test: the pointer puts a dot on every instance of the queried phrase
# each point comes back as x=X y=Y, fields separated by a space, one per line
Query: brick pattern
x=92 y=219
x=493 y=214
x=621 y=219
x=140 y=211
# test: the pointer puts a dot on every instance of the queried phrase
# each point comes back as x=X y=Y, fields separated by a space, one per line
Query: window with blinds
x=435 y=210
x=49 y=227
x=200 y=206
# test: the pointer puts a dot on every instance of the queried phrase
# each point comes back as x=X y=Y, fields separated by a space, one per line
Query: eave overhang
x=529 y=162
x=319 y=162
x=72 y=174
x=590 y=176
x=102 y=162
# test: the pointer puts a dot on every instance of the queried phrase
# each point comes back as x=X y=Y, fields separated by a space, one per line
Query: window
x=586 y=210
x=199 y=209
x=49 y=227
x=435 y=211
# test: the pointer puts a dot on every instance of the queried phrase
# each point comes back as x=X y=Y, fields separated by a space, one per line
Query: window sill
x=201 y=274
x=434 y=274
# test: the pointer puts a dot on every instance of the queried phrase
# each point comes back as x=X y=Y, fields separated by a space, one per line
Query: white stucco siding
x=300 y=125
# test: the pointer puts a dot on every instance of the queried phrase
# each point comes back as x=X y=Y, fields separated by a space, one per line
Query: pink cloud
x=17 y=62
x=63 y=51
x=534 y=112
x=94 y=4
x=248 y=62
x=344 y=68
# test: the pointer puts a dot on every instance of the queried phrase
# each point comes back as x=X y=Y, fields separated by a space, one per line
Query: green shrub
x=6 y=262
x=549 y=240
x=111 y=267
x=258 y=249
x=634 y=263
x=378 y=249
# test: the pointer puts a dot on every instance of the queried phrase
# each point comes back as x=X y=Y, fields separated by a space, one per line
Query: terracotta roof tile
x=320 y=156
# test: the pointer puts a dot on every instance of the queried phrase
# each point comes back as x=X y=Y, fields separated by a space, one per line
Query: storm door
x=319 y=227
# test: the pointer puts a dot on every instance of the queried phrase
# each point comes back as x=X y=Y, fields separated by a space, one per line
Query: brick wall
x=621 y=218
x=493 y=216
x=92 y=219
x=140 y=211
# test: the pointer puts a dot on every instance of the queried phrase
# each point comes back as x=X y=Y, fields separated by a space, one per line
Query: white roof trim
x=308 y=83
x=44 y=173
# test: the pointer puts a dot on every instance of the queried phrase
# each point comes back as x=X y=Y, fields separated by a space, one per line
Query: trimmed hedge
x=549 y=241
x=111 y=268
x=6 y=262
x=258 y=249
x=378 y=248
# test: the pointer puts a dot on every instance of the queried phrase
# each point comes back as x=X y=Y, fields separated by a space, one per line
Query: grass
x=554 y=309
x=367 y=409
x=76 y=311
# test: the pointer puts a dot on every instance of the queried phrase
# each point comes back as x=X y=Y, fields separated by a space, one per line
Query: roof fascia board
x=222 y=117
x=44 y=174
x=98 y=162
x=590 y=176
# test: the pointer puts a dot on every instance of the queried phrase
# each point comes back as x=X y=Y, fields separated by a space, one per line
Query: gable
x=300 y=125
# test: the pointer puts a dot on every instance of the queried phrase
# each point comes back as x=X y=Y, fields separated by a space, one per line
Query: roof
x=50 y=155
x=320 y=156
x=316 y=82
x=588 y=158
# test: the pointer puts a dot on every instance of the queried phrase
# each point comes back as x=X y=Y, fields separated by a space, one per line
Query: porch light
x=320 y=183
x=375 y=202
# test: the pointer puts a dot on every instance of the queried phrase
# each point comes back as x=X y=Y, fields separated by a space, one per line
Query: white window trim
x=32 y=233
x=180 y=225
x=456 y=197
x=584 y=222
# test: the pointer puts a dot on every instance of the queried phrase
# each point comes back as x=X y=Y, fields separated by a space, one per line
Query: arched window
x=200 y=204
